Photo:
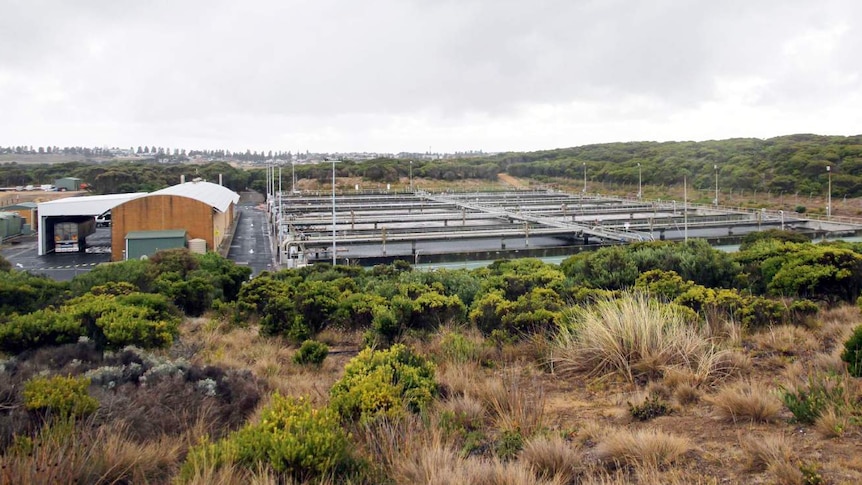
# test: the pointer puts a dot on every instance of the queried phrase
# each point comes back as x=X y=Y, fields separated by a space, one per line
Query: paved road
x=251 y=242
x=61 y=267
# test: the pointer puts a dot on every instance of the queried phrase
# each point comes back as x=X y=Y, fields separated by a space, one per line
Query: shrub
x=292 y=439
x=383 y=383
x=853 y=352
x=509 y=444
x=651 y=407
x=457 y=348
x=64 y=396
x=40 y=328
x=311 y=352
x=809 y=401
x=137 y=319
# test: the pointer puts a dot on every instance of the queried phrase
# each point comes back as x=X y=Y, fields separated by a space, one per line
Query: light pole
x=640 y=189
x=334 y=262
x=411 y=176
x=585 y=178
x=829 y=193
x=715 y=202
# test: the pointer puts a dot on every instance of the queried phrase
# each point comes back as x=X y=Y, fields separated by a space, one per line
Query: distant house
x=68 y=183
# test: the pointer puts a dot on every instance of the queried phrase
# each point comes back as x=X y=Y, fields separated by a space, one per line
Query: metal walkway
x=580 y=229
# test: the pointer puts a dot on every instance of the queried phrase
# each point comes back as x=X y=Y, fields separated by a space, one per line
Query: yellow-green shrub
x=380 y=383
x=292 y=439
x=64 y=396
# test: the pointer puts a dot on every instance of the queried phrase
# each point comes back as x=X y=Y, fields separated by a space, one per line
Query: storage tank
x=198 y=246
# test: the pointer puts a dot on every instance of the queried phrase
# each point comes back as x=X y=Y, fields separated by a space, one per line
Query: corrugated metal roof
x=93 y=205
x=215 y=195
x=166 y=234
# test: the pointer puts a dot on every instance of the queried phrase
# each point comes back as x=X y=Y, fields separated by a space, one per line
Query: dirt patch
x=507 y=179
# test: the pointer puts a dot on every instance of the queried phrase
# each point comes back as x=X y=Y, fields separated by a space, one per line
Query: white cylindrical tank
x=198 y=246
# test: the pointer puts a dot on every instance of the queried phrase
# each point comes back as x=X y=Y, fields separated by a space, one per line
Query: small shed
x=26 y=210
x=10 y=224
x=141 y=244
x=68 y=183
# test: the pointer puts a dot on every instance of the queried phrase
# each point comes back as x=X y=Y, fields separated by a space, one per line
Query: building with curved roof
x=202 y=209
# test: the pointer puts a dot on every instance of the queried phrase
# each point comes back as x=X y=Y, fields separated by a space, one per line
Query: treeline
x=795 y=164
x=509 y=299
x=125 y=177
x=788 y=164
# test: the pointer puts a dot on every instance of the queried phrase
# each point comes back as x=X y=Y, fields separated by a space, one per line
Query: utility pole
x=585 y=177
x=715 y=202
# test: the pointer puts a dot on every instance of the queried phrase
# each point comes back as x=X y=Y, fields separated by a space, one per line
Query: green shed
x=143 y=244
x=68 y=183
x=10 y=224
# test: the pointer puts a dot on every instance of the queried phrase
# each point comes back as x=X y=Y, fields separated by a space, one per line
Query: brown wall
x=159 y=213
x=221 y=225
x=29 y=216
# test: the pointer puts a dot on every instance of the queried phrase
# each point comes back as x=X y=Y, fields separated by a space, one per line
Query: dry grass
x=767 y=451
x=746 y=401
x=551 y=457
x=466 y=411
x=832 y=423
x=460 y=380
x=69 y=452
x=635 y=337
x=786 y=340
x=643 y=448
x=512 y=405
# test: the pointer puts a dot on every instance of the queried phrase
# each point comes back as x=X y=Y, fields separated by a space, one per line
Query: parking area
x=23 y=255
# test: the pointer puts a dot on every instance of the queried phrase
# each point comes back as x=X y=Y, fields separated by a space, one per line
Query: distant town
x=52 y=154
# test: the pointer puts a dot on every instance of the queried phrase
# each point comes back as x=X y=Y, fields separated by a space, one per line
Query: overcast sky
x=406 y=75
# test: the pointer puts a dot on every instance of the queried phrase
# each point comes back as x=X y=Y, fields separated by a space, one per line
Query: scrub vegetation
x=648 y=363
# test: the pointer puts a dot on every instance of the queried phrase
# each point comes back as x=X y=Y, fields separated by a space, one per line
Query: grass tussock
x=767 y=451
x=746 y=402
x=551 y=457
x=643 y=448
x=512 y=405
x=788 y=340
x=636 y=337
x=832 y=423
x=66 y=451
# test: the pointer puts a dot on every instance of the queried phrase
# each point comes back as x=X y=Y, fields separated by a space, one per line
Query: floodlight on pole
x=829 y=192
x=334 y=262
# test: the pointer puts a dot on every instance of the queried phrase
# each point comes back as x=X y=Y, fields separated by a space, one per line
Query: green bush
x=652 y=407
x=853 y=353
x=822 y=391
x=383 y=383
x=509 y=444
x=140 y=319
x=292 y=439
x=37 y=329
x=64 y=396
x=311 y=352
x=457 y=348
